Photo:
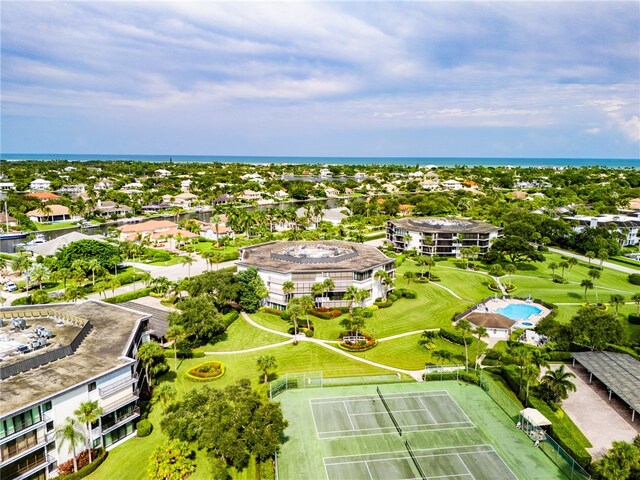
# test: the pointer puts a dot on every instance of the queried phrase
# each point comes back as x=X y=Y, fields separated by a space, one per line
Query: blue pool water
x=518 y=311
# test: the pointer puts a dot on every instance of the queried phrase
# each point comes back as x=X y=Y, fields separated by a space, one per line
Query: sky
x=421 y=79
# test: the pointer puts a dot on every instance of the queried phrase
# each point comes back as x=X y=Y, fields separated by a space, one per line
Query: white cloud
x=592 y=130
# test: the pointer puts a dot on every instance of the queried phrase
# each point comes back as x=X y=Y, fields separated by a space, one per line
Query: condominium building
x=441 y=236
x=625 y=225
x=305 y=263
x=90 y=354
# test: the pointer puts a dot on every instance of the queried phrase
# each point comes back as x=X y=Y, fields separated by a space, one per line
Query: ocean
x=438 y=161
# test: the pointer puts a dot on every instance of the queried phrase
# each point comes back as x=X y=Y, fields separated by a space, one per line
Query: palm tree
x=147 y=354
x=328 y=285
x=164 y=392
x=266 y=363
x=39 y=274
x=112 y=283
x=481 y=333
x=20 y=264
x=188 y=261
x=427 y=338
x=87 y=413
x=572 y=262
x=71 y=434
x=464 y=327
x=563 y=265
x=318 y=290
x=73 y=293
x=409 y=276
x=616 y=300
x=307 y=303
x=176 y=333
x=557 y=384
x=590 y=255
x=295 y=310
x=530 y=373
x=587 y=284
x=636 y=299
x=381 y=277
x=552 y=267
x=602 y=255
x=93 y=264
x=510 y=269
x=288 y=288
x=442 y=355
x=595 y=275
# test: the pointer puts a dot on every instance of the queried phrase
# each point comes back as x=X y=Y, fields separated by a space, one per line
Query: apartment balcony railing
x=28 y=469
x=120 y=419
x=12 y=453
x=25 y=427
x=117 y=385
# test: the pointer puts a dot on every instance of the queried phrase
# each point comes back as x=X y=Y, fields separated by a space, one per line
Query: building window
x=92 y=386
x=47 y=406
x=49 y=426
x=362 y=275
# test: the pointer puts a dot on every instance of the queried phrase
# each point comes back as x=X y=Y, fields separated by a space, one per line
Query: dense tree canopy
x=231 y=424
x=595 y=328
x=199 y=318
x=106 y=254
x=513 y=248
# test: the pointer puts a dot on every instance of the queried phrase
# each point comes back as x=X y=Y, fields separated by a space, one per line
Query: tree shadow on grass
x=525 y=267
x=219 y=338
x=575 y=295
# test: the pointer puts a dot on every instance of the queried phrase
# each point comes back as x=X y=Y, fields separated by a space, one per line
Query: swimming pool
x=519 y=311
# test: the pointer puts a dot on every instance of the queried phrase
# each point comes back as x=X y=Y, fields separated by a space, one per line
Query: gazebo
x=532 y=423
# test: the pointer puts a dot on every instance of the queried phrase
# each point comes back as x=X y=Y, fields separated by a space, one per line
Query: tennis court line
x=430 y=455
x=398 y=411
x=427 y=410
x=460 y=408
x=383 y=431
x=352 y=398
x=465 y=466
x=404 y=452
x=353 y=428
x=403 y=426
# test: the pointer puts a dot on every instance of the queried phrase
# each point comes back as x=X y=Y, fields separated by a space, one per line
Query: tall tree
x=587 y=284
x=87 y=413
x=151 y=355
x=616 y=300
x=595 y=275
x=173 y=460
x=175 y=333
x=266 y=363
x=480 y=333
x=464 y=327
x=556 y=385
x=70 y=433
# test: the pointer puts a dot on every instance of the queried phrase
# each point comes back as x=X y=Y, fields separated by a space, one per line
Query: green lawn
x=406 y=353
x=55 y=226
x=175 y=260
x=241 y=336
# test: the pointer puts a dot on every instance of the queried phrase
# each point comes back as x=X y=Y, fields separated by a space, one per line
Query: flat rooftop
x=102 y=350
x=444 y=225
x=312 y=256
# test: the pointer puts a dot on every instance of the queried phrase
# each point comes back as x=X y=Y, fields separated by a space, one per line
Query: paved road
x=613 y=266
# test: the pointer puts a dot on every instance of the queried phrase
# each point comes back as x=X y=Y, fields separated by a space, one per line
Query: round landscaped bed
x=205 y=372
x=358 y=345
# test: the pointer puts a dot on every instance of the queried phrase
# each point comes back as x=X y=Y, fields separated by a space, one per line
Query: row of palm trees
x=71 y=431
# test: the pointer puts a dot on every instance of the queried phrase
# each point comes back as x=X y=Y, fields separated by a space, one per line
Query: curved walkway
x=254 y=349
x=613 y=266
x=416 y=374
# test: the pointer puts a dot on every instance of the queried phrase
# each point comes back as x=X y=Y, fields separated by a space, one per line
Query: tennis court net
x=415 y=460
x=386 y=406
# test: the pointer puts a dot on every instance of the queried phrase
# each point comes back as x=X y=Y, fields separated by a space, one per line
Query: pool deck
x=495 y=304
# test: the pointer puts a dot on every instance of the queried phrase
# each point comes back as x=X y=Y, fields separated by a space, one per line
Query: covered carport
x=619 y=372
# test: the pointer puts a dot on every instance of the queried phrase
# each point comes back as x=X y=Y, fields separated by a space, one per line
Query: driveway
x=613 y=266
x=601 y=421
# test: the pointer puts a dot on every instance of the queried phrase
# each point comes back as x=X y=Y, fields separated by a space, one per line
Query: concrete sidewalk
x=613 y=266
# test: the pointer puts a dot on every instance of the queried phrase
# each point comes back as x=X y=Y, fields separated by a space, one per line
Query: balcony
x=14 y=432
x=120 y=419
x=117 y=385
x=121 y=402
x=19 y=472
x=11 y=453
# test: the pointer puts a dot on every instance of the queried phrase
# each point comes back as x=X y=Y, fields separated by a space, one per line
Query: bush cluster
x=634 y=278
x=230 y=317
x=205 y=372
x=144 y=428
x=455 y=337
x=272 y=311
x=361 y=346
x=66 y=469
x=326 y=313
x=125 y=297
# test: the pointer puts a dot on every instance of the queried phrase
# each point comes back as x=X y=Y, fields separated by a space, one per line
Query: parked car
x=10 y=287
x=37 y=343
x=23 y=348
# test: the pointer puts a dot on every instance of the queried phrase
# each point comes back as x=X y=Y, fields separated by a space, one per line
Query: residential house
x=451 y=184
x=626 y=225
x=39 y=185
x=44 y=197
x=331 y=192
x=162 y=173
x=250 y=195
x=109 y=208
x=5 y=186
x=160 y=233
x=52 y=213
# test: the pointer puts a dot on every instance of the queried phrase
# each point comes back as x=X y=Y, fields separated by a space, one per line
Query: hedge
x=634 y=319
x=192 y=373
x=125 y=297
x=559 y=356
x=468 y=377
x=326 y=313
x=184 y=354
x=620 y=349
x=455 y=337
x=272 y=311
x=355 y=348
x=385 y=304
x=144 y=428
x=634 y=278
x=87 y=469
x=230 y=317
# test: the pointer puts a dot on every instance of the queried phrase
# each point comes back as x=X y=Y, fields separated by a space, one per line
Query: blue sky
x=504 y=79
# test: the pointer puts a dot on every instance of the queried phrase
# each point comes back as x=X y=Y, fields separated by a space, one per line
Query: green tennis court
x=479 y=462
x=437 y=430
x=368 y=415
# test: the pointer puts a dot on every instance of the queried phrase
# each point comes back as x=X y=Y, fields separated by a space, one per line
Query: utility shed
x=619 y=372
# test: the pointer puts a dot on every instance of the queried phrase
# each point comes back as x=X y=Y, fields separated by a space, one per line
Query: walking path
x=613 y=266
x=255 y=349
x=416 y=374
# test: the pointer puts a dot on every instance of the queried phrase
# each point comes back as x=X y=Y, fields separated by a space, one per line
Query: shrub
x=308 y=332
x=326 y=313
x=634 y=319
x=373 y=308
x=273 y=311
x=559 y=356
x=384 y=304
x=421 y=280
x=634 y=278
x=559 y=279
x=205 y=372
x=98 y=458
x=21 y=301
x=184 y=353
x=392 y=297
x=230 y=317
x=144 y=428
x=410 y=294
x=492 y=354
x=455 y=337
x=125 y=297
x=361 y=346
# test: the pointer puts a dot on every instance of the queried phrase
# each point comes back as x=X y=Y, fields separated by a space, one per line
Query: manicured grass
x=42 y=227
x=175 y=260
x=625 y=261
x=406 y=353
x=271 y=321
x=240 y=336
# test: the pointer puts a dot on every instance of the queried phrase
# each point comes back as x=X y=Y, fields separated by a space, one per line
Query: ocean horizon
x=258 y=160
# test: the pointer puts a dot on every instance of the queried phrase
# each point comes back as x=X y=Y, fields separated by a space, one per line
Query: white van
x=10 y=287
